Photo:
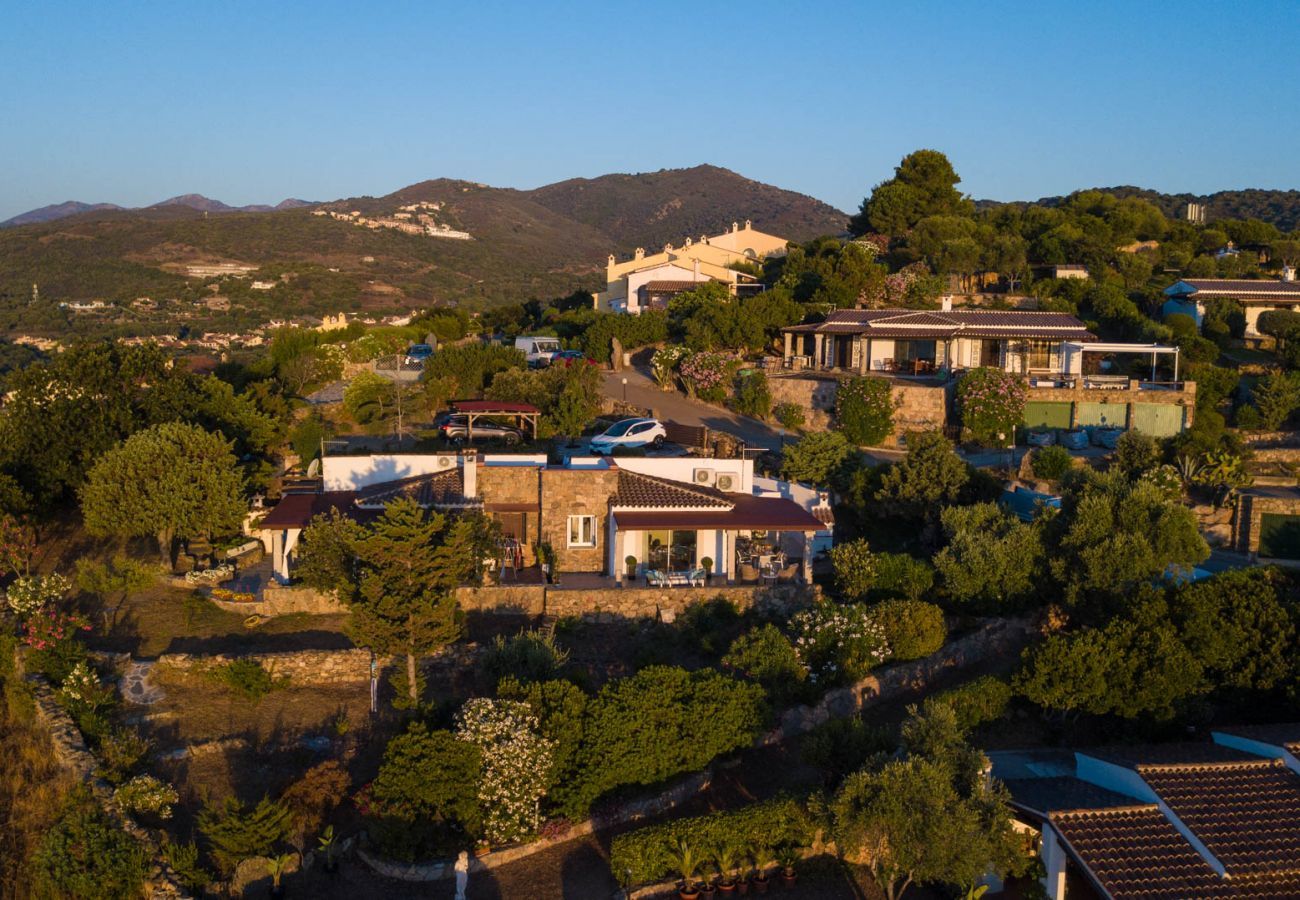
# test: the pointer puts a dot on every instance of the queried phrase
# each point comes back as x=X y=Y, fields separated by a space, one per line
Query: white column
x=818 y=344
x=616 y=563
x=789 y=341
x=1054 y=860
x=279 y=558
x=807 y=556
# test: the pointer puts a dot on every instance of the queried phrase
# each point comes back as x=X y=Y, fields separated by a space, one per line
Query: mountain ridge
x=1279 y=206
x=68 y=208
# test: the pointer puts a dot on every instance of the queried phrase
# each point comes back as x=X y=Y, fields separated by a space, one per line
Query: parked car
x=570 y=358
x=416 y=354
x=455 y=428
x=630 y=433
x=538 y=349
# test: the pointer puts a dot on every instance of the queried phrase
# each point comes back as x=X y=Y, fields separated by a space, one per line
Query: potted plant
x=630 y=562
x=686 y=861
x=786 y=857
x=761 y=857
x=727 y=858
x=707 y=565
x=326 y=844
x=276 y=866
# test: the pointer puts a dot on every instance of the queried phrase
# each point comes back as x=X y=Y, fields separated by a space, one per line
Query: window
x=1041 y=353
x=582 y=531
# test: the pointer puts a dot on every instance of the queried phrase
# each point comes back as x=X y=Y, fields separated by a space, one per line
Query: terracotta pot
x=726 y=888
x=687 y=891
x=761 y=883
x=789 y=876
x=708 y=891
x=742 y=886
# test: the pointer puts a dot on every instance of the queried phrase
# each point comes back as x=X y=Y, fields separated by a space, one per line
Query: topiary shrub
x=640 y=857
x=1051 y=463
x=913 y=628
x=864 y=409
x=992 y=404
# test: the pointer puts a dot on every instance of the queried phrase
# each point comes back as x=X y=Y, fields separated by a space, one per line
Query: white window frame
x=590 y=529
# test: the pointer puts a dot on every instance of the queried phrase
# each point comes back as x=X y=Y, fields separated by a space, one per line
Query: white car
x=630 y=433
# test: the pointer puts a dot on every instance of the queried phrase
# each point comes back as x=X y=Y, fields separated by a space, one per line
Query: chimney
x=640 y=253
x=697 y=270
x=668 y=248
x=748 y=225
x=1288 y=273
x=469 y=472
x=734 y=227
x=688 y=242
x=946 y=303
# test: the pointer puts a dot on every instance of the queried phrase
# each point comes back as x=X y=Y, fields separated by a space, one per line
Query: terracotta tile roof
x=766 y=513
x=1188 y=753
x=637 y=491
x=296 y=510
x=445 y=488
x=671 y=286
x=1246 y=813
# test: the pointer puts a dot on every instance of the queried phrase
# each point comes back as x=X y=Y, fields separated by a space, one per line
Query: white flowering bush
x=838 y=643
x=663 y=365
x=516 y=765
x=30 y=594
x=222 y=572
x=82 y=691
x=146 y=794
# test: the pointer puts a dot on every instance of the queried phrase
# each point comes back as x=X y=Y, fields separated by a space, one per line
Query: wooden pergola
x=522 y=413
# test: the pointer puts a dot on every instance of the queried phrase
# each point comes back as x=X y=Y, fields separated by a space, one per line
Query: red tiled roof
x=446 y=488
x=1246 y=813
x=765 y=513
x=492 y=406
x=671 y=286
x=637 y=491
x=296 y=510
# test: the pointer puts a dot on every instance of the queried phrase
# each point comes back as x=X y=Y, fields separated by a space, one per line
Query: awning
x=761 y=513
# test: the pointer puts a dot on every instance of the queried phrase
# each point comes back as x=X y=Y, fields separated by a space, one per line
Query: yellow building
x=647 y=281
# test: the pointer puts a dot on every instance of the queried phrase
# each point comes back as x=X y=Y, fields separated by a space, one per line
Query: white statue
x=462 y=874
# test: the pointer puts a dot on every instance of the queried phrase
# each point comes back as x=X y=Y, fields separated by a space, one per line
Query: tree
x=235 y=833
x=370 y=399
x=993 y=562
x=117 y=579
x=816 y=458
x=924 y=184
x=428 y=778
x=855 y=569
x=864 y=409
x=1136 y=453
x=1238 y=627
x=85 y=856
x=1277 y=397
x=930 y=475
x=170 y=481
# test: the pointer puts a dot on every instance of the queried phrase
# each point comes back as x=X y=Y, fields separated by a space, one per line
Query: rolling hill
x=1281 y=208
x=540 y=243
x=69 y=208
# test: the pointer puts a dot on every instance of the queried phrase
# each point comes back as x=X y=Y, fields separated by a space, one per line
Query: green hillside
x=1280 y=208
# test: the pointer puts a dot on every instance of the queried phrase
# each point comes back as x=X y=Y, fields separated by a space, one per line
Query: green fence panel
x=1158 y=419
x=1279 y=536
x=1047 y=414
x=1109 y=414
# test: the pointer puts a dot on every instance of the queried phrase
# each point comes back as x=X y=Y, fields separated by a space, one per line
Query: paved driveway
x=674 y=407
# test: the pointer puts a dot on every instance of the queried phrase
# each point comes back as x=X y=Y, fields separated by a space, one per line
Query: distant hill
x=192 y=201
x=1282 y=208
x=653 y=208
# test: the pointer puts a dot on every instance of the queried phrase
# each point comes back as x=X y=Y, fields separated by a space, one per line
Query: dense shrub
x=983 y=700
x=767 y=656
x=248 y=678
x=516 y=765
x=901 y=575
x=661 y=722
x=992 y=404
x=315 y=795
x=560 y=707
x=838 y=643
x=85 y=856
x=650 y=327
x=841 y=746
x=640 y=857
x=864 y=409
x=1136 y=453
x=913 y=628
x=705 y=375
x=855 y=569
x=993 y=562
x=528 y=656
x=473 y=366
x=753 y=396
x=790 y=415
x=816 y=458
x=1051 y=463
x=235 y=834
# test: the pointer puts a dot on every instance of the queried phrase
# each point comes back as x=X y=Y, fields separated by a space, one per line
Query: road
x=674 y=407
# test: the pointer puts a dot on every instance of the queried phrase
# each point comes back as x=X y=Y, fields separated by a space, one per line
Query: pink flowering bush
x=52 y=628
x=705 y=374
x=992 y=404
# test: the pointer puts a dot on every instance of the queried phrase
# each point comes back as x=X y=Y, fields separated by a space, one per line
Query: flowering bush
x=51 y=628
x=705 y=374
x=864 y=409
x=146 y=794
x=1167 y=479
x=664 y=364
x=17 y=544
x=210 y=576
x=30 y=594
x=516 y=765
x=992 y=404
x=838 y=643
x=83 y=692
x=229 y=596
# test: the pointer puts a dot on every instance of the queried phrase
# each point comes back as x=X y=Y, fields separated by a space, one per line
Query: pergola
x=1072 y=347
x=522 y=413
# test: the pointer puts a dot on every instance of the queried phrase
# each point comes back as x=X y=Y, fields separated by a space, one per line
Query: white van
x=538 y=349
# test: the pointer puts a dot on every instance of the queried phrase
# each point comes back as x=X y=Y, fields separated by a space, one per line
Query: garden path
x=136 y=687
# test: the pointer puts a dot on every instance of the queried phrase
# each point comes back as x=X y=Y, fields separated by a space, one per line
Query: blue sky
x=253 y=102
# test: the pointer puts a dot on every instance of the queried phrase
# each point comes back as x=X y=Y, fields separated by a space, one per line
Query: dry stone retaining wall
x=920 y=407
x=313 y=667
x=668 y=603
x=278 y=600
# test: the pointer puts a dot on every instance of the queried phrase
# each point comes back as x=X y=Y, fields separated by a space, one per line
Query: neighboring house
x=1256 y=295
x=628 y=284
x=922 y=341
x=1176 y=821
x=1071 y=270
x=593 y=512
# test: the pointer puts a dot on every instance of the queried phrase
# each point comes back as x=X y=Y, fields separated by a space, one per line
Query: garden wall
x=278 y=600
x=921 y=407
x=668 y=603
x=313 y=667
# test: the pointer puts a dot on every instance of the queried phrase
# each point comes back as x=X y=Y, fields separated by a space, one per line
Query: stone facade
x=514 y=486
x=1252 y=504
x=920 y=406
x=577 y=492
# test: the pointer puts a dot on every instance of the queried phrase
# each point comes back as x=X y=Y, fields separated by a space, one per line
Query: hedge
x=977 y=702
x=641 y=857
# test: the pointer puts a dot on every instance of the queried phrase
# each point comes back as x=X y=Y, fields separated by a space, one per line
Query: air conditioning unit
x=727 y=481
x=445 y=462
x=705 y=476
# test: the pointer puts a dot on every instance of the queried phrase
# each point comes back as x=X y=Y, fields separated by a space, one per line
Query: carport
x=522 y=413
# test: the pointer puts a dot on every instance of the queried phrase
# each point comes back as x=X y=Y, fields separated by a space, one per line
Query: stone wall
x=312 y=667
x=278 y=600
x=1251 y=506
x=576 y=492
x=668 y=603
x=920 y=406
x=506 y=599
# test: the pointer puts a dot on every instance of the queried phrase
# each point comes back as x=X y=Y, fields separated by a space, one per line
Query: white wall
x=666 y=272
x=351 y=473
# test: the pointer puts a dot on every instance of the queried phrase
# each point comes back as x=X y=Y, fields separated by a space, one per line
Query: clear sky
x=254 y=102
